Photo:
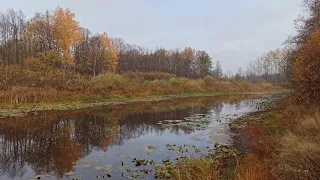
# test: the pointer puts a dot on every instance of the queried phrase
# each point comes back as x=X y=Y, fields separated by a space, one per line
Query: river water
x=105 y=141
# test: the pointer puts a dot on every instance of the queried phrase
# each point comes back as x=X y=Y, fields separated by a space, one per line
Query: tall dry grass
x=297 y=154
x=200 y=169
x=252 y=167
x=18 y=85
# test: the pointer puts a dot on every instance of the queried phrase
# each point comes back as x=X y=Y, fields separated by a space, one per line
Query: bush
x=209 y=81
x=149 y=76
x=265 y=85
x=11 y=76
x=108 y=81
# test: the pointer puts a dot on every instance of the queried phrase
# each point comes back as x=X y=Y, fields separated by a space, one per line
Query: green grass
x=318 y=139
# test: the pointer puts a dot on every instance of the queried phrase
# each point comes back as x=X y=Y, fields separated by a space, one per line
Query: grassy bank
x=66 y=104
x=62 y=90
x=284 y=144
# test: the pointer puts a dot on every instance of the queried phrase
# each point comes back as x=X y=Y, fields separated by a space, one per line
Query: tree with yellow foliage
x=67 y=32
x=109 y=52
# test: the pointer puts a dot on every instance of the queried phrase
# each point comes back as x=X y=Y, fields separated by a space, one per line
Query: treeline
x=271 y=67
x=299 y=63
x=56 y=40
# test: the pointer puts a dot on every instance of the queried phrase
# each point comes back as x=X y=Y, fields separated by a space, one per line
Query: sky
x=233 y=32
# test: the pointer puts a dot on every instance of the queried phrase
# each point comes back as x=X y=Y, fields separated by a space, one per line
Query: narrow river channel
x=105 y=141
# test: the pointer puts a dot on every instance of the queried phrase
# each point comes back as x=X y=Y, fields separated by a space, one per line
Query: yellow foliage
x=67 y=32
x=111 y=58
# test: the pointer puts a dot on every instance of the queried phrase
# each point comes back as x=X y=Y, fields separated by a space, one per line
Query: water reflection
x=51 y=143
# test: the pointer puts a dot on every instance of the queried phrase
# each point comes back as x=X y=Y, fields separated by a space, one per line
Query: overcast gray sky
x=231 y=31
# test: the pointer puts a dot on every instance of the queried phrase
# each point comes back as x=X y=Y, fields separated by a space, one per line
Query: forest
x=56 y=40
x=51 y=57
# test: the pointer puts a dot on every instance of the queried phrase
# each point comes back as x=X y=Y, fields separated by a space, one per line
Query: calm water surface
x=91 y=143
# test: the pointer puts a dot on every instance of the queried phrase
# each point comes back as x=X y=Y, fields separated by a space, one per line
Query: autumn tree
x=39 y=34
x=204 y=64
x=96 y=54
x=306 y=68
x=306 y=23
x=66 y=31
x=188 y=58
x=54 y=39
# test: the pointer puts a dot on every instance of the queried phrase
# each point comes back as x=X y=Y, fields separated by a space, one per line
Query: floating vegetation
x=149 y=149
x=141 y=162
x=70 y=173
x=194 y=122
x=161 y=150
x=102 y=156
x=124 y=156
x=86 y=166
x=107 y=167
x=41 y=176
x=173 y=121
x=215 y=158
x=135 y=175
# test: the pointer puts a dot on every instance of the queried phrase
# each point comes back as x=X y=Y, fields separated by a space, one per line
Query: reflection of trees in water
x=217 y=111
x=52 y=142
x=50 y=145
x=141 y=124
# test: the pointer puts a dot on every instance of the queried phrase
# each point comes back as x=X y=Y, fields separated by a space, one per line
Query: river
x=105 y=142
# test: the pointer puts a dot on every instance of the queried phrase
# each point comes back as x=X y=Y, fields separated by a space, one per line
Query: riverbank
x=132 y=139
x=247 y=158
x=285 y=142
x=22 y=109
x=280 y=142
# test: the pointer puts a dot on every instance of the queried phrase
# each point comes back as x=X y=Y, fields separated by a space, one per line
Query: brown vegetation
x=200 y=169
x=38 y=82
x=298 y=151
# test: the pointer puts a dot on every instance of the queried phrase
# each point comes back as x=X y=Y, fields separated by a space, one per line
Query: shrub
x=178 y=82
x=150 y=76
x=108 y=81
x=265 y=85
x=209 y=81
x=11 y=76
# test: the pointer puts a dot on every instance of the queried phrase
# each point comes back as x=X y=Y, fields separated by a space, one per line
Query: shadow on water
x=53 y=143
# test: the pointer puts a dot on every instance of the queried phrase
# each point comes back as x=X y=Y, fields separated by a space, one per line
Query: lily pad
x=86 y=165
x=70 y=173
x=107 y=167
x=135 y=175
x=141 y=162
x=149 y=149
